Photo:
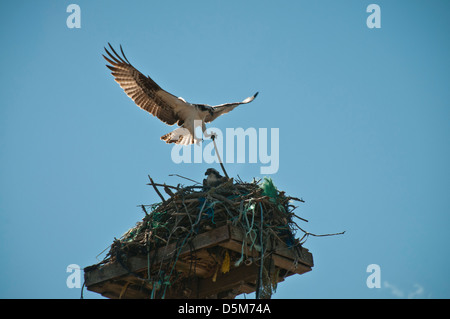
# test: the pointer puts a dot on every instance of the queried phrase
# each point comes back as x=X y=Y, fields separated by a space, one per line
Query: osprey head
x=214 y=179
x=212 y=171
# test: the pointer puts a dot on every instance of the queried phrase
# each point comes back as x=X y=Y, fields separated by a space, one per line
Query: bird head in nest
x=214 y=172
x=213 y=178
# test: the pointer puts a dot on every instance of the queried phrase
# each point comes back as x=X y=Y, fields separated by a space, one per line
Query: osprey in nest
x=168 y=108
x=213 y=178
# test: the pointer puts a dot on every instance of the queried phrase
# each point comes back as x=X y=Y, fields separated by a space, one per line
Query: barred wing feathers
x=145 y=92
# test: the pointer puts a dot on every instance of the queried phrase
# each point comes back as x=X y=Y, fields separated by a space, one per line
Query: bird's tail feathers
x=180 y=136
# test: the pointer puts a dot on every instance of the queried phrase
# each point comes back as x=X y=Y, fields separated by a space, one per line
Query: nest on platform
x=263 y=213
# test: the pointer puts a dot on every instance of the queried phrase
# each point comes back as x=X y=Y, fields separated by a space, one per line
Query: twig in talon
x=213 y=137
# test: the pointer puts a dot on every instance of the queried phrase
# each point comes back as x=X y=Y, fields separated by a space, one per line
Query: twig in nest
x=163 y=185
x=185 y=178
x=168 y=191
x=143 y=208
x=305 y=220
x=156 y=189
x=323 y=235
x=315 y=235
x=297 y=199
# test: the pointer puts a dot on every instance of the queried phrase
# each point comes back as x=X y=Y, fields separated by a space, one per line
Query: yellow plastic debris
x=226 y=263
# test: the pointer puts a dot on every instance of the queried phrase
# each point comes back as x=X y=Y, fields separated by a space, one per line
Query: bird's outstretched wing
x=144 y=91
x=221 y=109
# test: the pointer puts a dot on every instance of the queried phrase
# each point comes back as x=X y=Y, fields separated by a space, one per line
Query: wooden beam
x=114 y=288
x=240 y=277
x=138 y=263
x=287 y=263
x=109 y=279
x=228 y=281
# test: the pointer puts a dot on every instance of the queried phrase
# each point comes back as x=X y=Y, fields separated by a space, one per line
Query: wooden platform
x=116 y=280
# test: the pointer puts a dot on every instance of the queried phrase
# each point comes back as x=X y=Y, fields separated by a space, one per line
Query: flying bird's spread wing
x=144 y=91
x=221 y=109
x=167 y=107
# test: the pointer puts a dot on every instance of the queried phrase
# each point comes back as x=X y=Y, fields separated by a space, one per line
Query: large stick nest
x=191 y=210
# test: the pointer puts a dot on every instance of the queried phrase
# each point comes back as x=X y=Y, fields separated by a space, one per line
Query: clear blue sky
x=363 y=115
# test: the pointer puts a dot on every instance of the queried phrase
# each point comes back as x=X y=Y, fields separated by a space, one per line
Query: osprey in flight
x=168 y=108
